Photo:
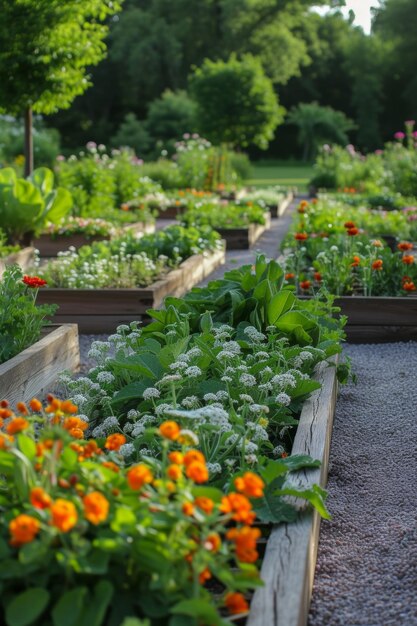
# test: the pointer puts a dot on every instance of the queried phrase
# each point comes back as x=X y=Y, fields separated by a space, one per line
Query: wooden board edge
x=285 y=204
x=291 y=553
x=55 y=352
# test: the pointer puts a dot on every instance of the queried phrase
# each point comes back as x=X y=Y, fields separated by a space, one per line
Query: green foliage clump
x=236 y=102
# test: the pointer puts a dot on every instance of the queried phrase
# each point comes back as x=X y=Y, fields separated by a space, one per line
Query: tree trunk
x=28 y=142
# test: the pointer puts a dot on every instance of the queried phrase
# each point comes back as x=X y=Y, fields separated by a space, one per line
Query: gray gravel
x=366 y=572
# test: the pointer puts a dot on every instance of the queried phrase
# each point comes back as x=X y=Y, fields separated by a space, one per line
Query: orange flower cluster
x=404 y=246
x=236 y=603
x=170 y=430
x=300 y=236
x=356 y=261
x=377 y=265
x=302 y=207
x=408 y=259
x=115 y=442
x=289 y=276
x=239 y=507
x=305 y=285
x=250 y=485
x=245 y=539
x=138 y=476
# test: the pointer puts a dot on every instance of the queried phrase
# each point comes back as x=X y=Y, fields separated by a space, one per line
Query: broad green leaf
x=124 y=519
x=271 y=509
x=133 y=391
x=95 y=612
x=316 y=496
x=43 y=179
x=200 y=609
x=25 y=608
x=27 y=446
x=280 y=304
x=68 y=609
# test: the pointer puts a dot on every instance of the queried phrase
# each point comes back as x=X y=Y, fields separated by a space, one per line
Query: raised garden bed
x=245 y=237
x=49 y=247
x=291 y=551
x=35 y=369
x=171 y=212
x=24 y=258
x=277 y=210
x=101 y=310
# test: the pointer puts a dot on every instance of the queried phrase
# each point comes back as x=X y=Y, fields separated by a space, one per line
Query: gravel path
x=268 y=244
x=367 y=564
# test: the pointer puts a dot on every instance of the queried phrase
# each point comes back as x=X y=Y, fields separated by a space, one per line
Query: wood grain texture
x=285 y=204
x=101 y=310
x=290 y=557
x=35 y=369
x=24 y=258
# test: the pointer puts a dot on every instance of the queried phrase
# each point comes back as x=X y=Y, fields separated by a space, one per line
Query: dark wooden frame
x=102 y=310
x=245 y=237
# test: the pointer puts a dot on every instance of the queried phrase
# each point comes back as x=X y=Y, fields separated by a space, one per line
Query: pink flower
x=91 y=145
x=410 y=122
x=399 y=135
x=60 y=157
x=415 y=133
x=379 y=152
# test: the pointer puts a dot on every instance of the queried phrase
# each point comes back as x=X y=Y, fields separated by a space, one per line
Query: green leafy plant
x=21 y=320
x=26 y=206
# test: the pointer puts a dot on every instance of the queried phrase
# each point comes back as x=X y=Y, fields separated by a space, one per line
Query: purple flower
x=399 y=135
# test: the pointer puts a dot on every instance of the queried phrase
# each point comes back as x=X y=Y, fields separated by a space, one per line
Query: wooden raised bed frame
x=23 y=257
x=49 y=247
x=278 y=210
x=102 y=310
x=36 y=368
x=291 y=552
x=245 y=237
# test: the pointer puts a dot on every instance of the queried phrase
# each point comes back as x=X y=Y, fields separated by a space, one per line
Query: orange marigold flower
x=352 y=232
x=245 y=542
x=250 y=485
x=16 y=425
x=138 y=476
x=91 y=448
x=188 y=508
x=111 y=466
x=205 y=504
x=68 y=407
x=54 y=404
x=35 y=405
x=409 y=286
x=4 y=404
x=300 y=236
x=96 y=507
x=124 y=207
x=305 y=284
x=377 y=265
x=74 y=422
x=349 y=225
x=5 y=413
x=204 y=576
x=404 y=246
x=22 y=408
x=239 y=507
x=193 y=455
x=289 y=276
x=235 y=603
x=318 y=277
x=213 y=542
x=356 y=261
x=377 y=243
x=174 y=472
x=39 y=498
x=170 y=430
x=176 y=457
x=197 y=472
x=23 y=529
x=408 y=259
x=77 y=433
x=115 y=442
x=64 y=515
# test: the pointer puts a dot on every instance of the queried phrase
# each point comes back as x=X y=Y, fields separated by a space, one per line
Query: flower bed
x=193 y=416
x=101 y=310
x=276 y=200
x=245 y=237
x=49 y=245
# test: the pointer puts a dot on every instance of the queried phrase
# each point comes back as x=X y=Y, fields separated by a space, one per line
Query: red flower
x=352 y=231
x=349 y=225
x=356 y=261
x=34 y=282
x=408 y=259
x=404 y=246
x=409 y=286
x=318 y=277
x=305 y=284
x=377 y=265
x=289 y=276
x=301 y=236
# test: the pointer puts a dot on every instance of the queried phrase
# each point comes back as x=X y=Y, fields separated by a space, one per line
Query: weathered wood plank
x=24 y=258
x=104 y=309
x=35 y=369
x=285 y=204
x=289 y=562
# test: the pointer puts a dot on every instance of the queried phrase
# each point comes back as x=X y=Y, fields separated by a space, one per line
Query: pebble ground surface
x=366 y=571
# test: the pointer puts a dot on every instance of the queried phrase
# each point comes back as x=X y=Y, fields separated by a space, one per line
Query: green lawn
x=280 y=173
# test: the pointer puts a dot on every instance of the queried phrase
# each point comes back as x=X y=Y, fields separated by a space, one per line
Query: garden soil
x=366 y=571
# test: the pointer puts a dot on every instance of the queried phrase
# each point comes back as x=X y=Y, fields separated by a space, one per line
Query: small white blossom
x=209 y=397
x=246 y=398
x=190 y=402
x=132 y=414
x=251 y=459
x=226 y=379
x=127 y=449
x=248 y=380
x=283 y=398
x=193 y=371
x=214 y=468
x=278 y=451
x=151 y=392
x=162 y=408
x=105 y=377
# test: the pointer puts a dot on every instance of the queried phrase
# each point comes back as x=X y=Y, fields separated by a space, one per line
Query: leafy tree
x=132 y=133
x=46 y=47
x=236 y=102
x=317 y=125
x=171 y=115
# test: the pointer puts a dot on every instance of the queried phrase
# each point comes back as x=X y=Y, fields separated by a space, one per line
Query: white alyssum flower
x=283 y=398
x=251 y=459
x=151 y=392
x=178 y=365
x=259 y=408
x=193 y=371
x=284 y=380
x=105 y=377
x=210 y=397
x=190 y=402
x=262 y=356
x=226 y=379
x=83 y=417
x=127 y=449
x=132 y=414
x=254 y=334
x=222 y=395
x=230 y=462
x=251 y=447
x=214 y=468
x=194 y=353
x=248 y=380
x=138 y=429
x=110 y=422
x=265 y=387
x=79 y=400
x=127 y=428
x=278 y=451
x=169 y=378
x=246 y=398
x=306 y=356
x=162 y=408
